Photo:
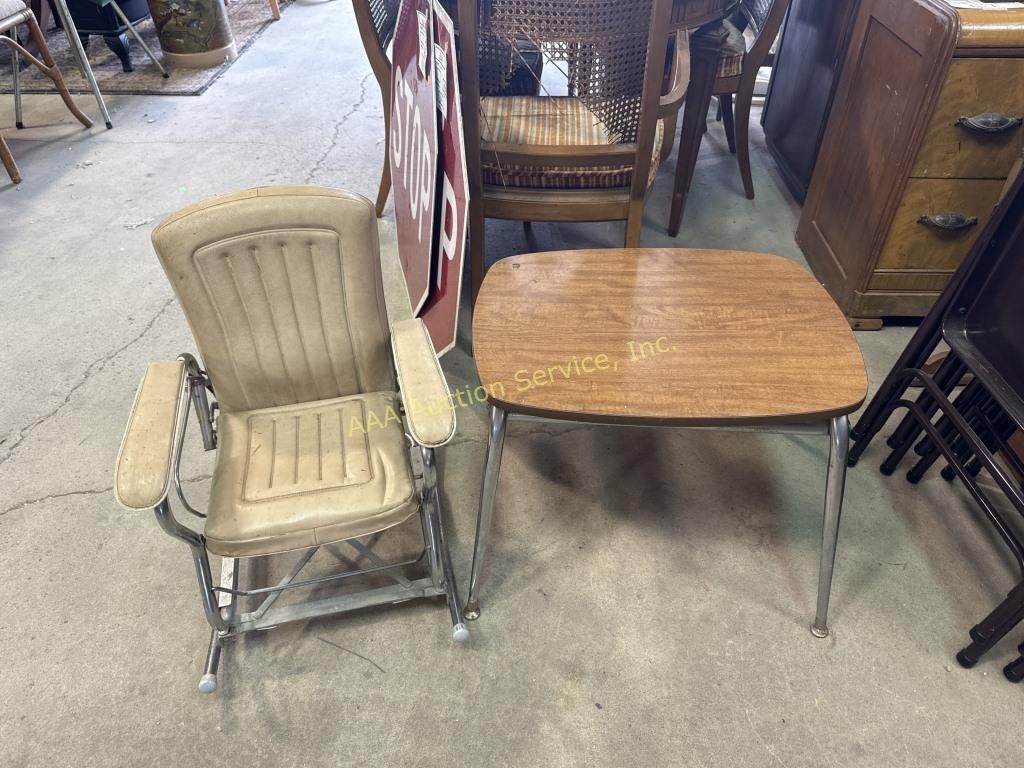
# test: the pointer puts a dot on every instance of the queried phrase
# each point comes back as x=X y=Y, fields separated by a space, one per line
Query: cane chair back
x=285 y=308
x=587 y=154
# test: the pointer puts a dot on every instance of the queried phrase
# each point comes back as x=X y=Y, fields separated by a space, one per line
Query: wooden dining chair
x=589 y=155
x=737 y=72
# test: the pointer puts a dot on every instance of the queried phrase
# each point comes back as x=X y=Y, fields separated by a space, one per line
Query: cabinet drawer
x=913 y=245
x=972 y=87
x=908 y=280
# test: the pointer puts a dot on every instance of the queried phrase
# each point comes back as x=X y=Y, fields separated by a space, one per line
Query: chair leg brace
x=219 y=603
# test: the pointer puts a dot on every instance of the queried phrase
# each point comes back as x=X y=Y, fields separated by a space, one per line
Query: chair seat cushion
x=298 y=476
x=9 y=8
x=730 y=60
x=552 y=120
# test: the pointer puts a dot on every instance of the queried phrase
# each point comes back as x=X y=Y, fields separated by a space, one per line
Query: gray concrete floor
x=648 y=592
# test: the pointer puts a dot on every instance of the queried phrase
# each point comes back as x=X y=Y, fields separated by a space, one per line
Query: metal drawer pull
x=951 y=222
x=989 y=123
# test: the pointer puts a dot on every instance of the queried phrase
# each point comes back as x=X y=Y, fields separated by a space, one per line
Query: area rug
x=248 y=20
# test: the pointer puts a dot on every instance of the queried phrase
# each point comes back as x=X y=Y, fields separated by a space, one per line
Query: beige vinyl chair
x=319 y=409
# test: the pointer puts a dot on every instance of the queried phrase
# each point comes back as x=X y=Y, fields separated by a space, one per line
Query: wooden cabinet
x=905 y=179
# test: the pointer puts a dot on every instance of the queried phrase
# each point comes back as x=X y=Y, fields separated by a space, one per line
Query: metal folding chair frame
x=220 y=600
x=837 y=429
x=967 y=450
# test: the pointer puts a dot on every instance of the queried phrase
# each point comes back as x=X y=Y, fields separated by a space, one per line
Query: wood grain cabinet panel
x=974 y=86
x=893 y=152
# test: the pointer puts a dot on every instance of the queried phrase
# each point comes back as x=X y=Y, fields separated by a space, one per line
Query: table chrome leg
x=839 y=446
x=71 y=33
x=495 y=441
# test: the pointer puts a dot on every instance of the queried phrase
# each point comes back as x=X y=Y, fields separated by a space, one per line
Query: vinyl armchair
x=323 y=424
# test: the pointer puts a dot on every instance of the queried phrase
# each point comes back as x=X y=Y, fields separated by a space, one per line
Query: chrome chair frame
x=837 y=429
x=220 y=600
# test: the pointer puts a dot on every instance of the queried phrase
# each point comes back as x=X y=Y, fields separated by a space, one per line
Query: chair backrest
x=764 y=18
x=382 y=15
x=282 y=289
x=984 y=324
x=606 y=44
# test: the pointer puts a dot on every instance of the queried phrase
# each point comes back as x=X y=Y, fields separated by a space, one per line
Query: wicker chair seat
x=552 y=120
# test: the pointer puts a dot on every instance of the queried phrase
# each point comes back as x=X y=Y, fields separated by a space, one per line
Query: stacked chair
x=978 y=316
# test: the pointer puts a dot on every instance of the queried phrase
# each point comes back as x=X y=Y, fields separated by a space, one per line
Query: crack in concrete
x=336 y=135
x=82 y=492
x=50 y=496
x=95 y=367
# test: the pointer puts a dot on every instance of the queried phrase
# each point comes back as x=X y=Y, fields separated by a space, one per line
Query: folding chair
x=317 y=407
x=981 y=322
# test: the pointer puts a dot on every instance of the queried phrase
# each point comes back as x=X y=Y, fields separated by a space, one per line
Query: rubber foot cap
x=460 y=634
x=963 y=661
x=109 y=125
x=19 y=126
x=208 y=683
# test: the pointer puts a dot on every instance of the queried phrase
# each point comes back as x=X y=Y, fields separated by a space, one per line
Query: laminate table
x=671 y=338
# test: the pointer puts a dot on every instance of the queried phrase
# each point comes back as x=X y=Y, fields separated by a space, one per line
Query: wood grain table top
x=664 y=336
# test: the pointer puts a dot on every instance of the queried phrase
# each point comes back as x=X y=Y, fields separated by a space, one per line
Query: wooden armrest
x=145 y=462
x=429 y=415
x=679 y=78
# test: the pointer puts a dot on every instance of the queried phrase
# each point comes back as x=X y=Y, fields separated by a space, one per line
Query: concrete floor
x=648 y=593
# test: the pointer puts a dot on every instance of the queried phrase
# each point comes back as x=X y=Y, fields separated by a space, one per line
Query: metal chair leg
x=16 y=62
x=1014 y=671
x=439 y=544
x=495 y=443
x=839 y=445
x=134 y=33
x=993 y=628
x=226 y=601
x=208 y=682
x=71 y=32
